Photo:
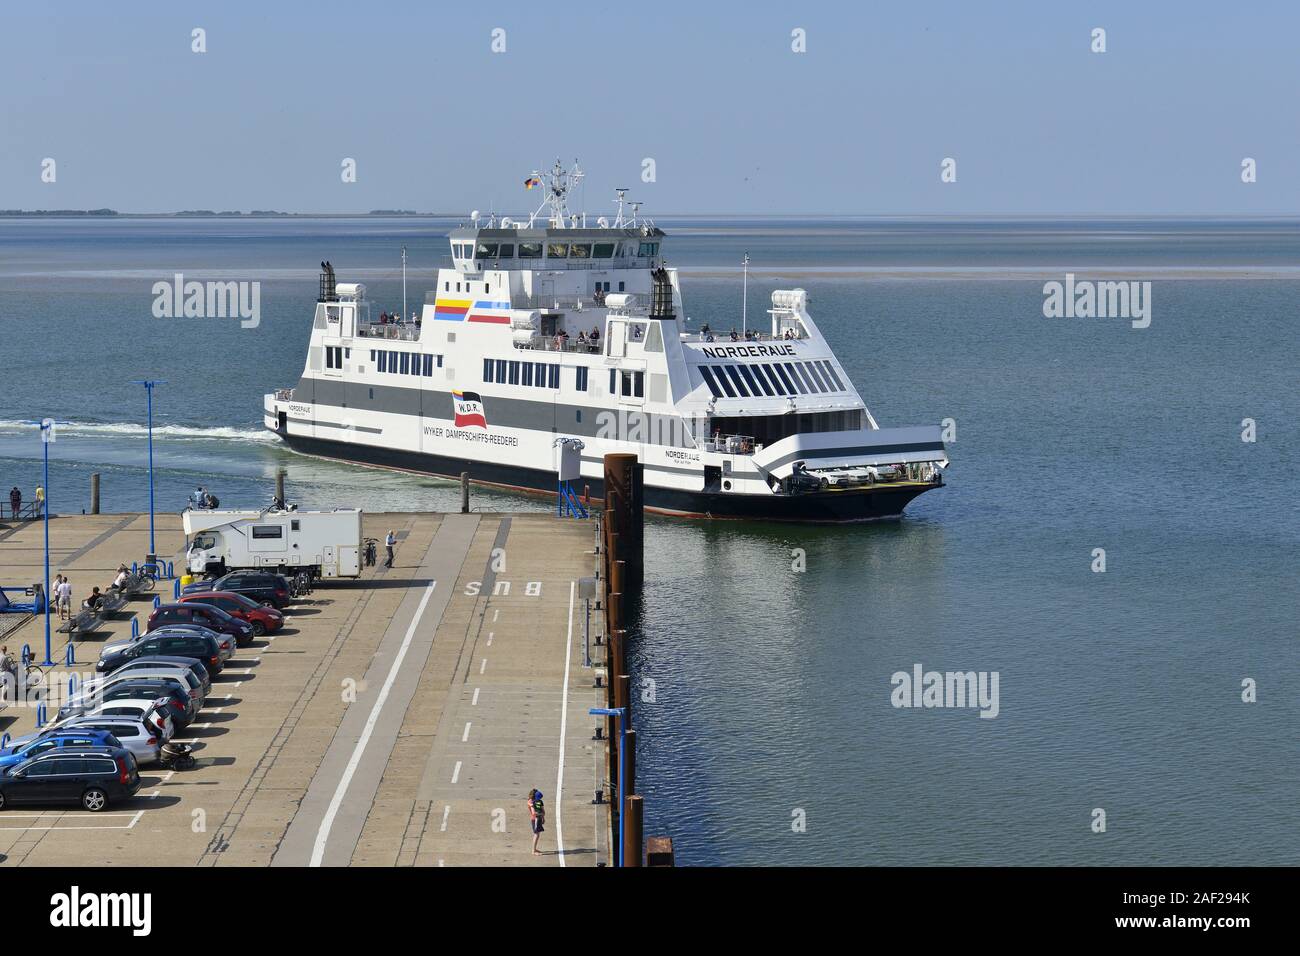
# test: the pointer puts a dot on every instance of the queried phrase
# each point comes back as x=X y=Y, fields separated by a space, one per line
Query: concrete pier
x=398 y=720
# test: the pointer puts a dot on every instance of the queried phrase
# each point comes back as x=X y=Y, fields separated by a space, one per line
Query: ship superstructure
x=549 y=327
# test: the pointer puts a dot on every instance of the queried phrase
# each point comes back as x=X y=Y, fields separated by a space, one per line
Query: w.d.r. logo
x=469 y=409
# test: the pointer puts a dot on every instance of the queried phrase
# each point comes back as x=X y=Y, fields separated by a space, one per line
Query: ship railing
x=732 y=444
x=549 y=344
x=717 y=337
x=546 y=264
x=396 y=331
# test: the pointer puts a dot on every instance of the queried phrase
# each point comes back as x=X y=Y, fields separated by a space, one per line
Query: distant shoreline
x=823 y=217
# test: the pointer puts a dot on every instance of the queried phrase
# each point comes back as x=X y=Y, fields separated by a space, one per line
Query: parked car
x=263 y=619
x=191 y=664
x=13 y=755
x=170 y=629
x=152 y=711
x=145 y=742
x=183 y=708
x=264 y=587
x=205 y=647
x=183 y=675
x=95 y=777
x=206 y=615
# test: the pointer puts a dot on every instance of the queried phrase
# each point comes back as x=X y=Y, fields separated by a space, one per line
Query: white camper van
x=325 y=544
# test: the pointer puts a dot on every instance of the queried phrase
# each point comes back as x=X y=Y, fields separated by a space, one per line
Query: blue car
x=24 y=751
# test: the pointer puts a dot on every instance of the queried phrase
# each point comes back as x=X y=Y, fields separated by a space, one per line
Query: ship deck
x=400 y=719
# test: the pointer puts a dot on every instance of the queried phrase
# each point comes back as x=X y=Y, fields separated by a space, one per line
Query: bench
x=88 y=619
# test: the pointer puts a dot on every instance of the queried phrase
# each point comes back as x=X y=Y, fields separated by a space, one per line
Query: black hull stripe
x=879 y=503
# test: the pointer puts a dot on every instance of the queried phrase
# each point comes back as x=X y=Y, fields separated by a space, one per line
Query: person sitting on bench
x=119 y=582
x=95 y=600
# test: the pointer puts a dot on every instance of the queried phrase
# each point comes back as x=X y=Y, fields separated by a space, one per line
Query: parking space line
x=465 y=736
x=455 y=774
x=446 y=812
x=483 y=666
x=474 y=702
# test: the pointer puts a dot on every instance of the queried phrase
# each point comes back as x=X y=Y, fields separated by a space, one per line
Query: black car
x=200 y=646
x=183 y=707
x=195 y=666
x=203 y=615
x=93 y=777
x=262 y=586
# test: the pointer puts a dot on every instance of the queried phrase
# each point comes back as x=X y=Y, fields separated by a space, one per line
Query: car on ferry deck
x=94 y=777
x=264 y=619
x=204 y=615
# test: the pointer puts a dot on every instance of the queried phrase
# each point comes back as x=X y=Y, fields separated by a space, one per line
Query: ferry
x=549 y=331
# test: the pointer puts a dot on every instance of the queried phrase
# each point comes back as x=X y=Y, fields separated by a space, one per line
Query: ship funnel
x=661 y=295
x=327 y=283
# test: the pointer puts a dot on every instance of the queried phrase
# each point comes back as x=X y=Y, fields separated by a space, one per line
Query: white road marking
x=483 y=666
x=446 y=812
x=564 y=721
x=489 y=642
x=465 y=736
x=323 y=834
x=474 y=702
x=495 y=614
x=455 y=774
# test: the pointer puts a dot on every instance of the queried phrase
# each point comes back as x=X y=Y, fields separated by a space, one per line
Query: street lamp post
x=620 y=713
x=148 y=387
x=46 y=426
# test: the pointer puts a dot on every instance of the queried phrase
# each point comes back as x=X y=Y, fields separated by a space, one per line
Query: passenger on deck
x=582 y=339
x=415 y=319
x=119 y=582
x=94 y=600
x=383 y=318
x=595 y=339
x=734 y=336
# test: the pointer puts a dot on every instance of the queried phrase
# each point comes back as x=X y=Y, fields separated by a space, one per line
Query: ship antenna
x=622 y=194
x=744 y=296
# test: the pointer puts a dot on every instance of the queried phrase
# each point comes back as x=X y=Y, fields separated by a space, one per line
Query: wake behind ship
x=545 y=329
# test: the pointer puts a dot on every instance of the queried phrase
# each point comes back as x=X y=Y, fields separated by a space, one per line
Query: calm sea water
x=771 y=687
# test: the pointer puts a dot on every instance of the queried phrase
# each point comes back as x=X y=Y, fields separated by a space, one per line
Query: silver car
x=183 y=675
x=152 y=712
x=144 y=743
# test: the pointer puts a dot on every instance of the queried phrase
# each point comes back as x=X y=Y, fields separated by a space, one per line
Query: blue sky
x=735 y=121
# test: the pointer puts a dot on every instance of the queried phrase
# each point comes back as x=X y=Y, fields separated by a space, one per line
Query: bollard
x=94 y=493
x=464 y=492
x=157 y=601
x=135 y=628
x=659 y=851
x=40 y=714
x=600 y=794
x=4 y=742
x=71 y=656
x=279 y=485
x=72 y=686
x=27 y=654
x=176 y=589
x=632 y=830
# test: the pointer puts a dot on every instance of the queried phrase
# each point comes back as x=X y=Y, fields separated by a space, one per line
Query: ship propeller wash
x=547 y=327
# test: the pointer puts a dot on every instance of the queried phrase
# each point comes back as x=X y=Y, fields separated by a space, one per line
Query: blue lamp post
x=620 y=713
x=46 y=426
x=148 y=387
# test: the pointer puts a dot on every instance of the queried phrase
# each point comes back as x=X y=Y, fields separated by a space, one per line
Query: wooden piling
x=635 y=811
x=279 y=485
x=629 y=763
x=94 y=492
x=464 y=492
x=659 y=851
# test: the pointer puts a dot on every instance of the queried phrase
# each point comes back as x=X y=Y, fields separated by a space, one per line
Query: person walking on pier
x=390 y=542
x=15 y=500
x=63 y=595
x=537 y=816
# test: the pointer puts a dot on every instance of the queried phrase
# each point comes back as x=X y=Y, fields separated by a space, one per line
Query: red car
x=265 y=620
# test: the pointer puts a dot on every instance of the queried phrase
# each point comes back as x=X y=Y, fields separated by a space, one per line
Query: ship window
x=802 y=371
x=830 y=372
x=486 y=250
x=708 y=380
x=785 y=379
x=771 y=376
x=749 y=377
x=530 y=250
x=816 y=375
x=428 y=364
x=507 y=250
x=633 y=384
x=485 y=288
x=722 y=380
x=528 y=373
x=580 y=378
x=580 y=250
x=613 y=381
x=383 y=361
x=446 y=287
x=557 y=250
x=735 y=380
x=372 y=355
x=648 y=249
x=621 y=286
x=539 y=378
x=791 y=377
x=553 y=379
x=406 y=363
x=603 y=250
x=439 y=361
x=487 y=370
x=415 y=363
x=514 y=373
